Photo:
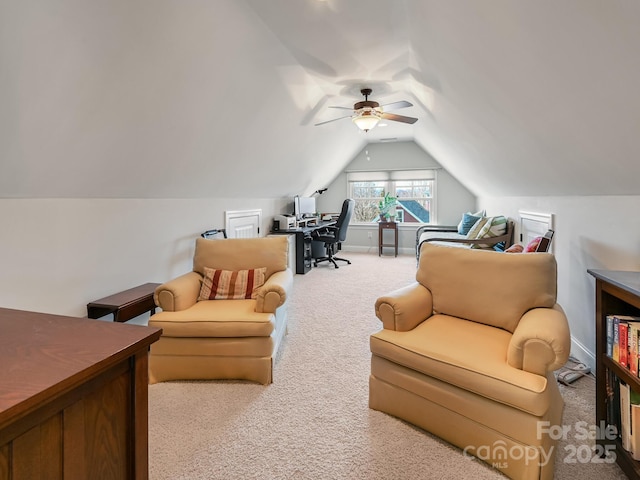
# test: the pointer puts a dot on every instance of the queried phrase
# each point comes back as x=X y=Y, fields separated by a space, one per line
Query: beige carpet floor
x=313 y=422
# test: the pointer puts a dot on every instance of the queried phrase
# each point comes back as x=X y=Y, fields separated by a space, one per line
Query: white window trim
x=391 y=175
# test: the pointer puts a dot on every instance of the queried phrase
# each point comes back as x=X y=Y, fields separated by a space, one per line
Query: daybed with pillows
x=475 y=230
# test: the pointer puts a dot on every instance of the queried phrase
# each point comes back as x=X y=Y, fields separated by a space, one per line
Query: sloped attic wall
x=530 y=98
x=161 y=99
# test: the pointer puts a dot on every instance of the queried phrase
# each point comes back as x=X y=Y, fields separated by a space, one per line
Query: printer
x=284 y=222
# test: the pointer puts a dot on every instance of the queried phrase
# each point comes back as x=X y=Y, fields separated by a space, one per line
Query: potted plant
x=387 y=207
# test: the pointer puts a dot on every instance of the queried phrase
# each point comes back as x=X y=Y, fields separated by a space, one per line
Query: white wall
x=598 y=232
x=453 y=198
x=59 y=254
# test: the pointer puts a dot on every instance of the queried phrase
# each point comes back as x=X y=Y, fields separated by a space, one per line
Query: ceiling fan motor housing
x=366 y=103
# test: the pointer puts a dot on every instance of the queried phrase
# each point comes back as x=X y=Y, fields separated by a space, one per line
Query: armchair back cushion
x=241 y=254
x=468 y=290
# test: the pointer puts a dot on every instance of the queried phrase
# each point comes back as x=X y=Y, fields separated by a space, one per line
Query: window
x=414 y=190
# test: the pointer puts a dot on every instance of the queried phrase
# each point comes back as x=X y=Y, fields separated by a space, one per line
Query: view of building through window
x=414 y=196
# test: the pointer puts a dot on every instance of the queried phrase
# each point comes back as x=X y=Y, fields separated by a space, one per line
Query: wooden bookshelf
x=617 y=293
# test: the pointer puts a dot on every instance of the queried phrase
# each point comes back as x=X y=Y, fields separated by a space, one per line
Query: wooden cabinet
x=73 y=397
x=617 y=293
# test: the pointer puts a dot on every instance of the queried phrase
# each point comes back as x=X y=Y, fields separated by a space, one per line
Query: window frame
x=389 y=179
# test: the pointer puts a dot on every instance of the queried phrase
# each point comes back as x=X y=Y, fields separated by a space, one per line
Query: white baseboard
x=582 y=353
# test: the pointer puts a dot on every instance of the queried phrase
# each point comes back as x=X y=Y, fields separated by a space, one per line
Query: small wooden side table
x=382 y=226
x=125 y=305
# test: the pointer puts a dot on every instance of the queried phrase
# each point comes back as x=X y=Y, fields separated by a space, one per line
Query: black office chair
x=332 y=235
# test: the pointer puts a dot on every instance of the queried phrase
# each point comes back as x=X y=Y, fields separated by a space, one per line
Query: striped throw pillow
x=494 y=227
x=472 y=234
x=231 y=285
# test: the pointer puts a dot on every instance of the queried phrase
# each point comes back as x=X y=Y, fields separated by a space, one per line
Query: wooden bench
x=125 y=305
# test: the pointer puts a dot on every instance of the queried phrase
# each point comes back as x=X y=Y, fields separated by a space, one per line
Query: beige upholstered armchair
x=226 y=318
x=468 y=353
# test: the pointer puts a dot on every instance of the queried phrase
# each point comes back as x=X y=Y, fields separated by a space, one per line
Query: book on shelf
x=610 y=336
x=629 y=419
x=633 y=347
x=625 y=415
x=635 y=426
x=613 y=401
x=623 y=340
x=616 y=343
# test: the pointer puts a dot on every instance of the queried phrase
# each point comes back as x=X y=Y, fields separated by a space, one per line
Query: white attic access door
x=243 y=223
x=534 y=225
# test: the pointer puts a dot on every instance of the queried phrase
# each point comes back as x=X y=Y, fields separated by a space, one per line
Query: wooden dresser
x=73 y=397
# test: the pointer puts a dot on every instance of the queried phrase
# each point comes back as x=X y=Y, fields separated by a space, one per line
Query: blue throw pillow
x=468 y=221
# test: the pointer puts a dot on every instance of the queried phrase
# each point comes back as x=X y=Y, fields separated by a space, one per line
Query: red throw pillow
x=533 y=245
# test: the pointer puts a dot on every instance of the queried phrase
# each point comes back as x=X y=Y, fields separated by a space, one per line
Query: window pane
x=414 y=198
x=365 y=211
x=366 y=196
x=367 y=189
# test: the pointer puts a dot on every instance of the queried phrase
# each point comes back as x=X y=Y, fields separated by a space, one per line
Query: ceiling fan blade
x=333 y=120
x=399 y=118
x=397 y=105
x=342 y=108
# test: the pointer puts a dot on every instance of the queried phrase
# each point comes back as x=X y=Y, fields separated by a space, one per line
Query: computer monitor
x=304 y=207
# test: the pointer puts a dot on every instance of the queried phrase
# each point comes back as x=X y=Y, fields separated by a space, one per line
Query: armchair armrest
x=180 y=293
x=541 y=342
x=325 y=233
x=404 y=309
x=274 y=291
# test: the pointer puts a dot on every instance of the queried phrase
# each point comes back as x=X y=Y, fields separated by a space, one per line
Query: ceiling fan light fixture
x=367 y=119
x=367 y=114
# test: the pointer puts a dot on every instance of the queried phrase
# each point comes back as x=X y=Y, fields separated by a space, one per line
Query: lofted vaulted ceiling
x=218 y=98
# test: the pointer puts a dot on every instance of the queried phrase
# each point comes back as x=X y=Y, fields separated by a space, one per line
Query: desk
x=125 y=305
x=382 y=226
x=74 y=397
x=304 y=258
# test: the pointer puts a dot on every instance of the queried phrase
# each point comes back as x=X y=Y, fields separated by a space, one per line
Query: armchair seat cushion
x=216 y=318
x=447 y=348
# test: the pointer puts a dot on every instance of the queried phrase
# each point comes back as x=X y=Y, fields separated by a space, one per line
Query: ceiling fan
x=368 y=113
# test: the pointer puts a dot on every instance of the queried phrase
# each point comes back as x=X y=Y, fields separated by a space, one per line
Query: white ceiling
x=218 y=98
